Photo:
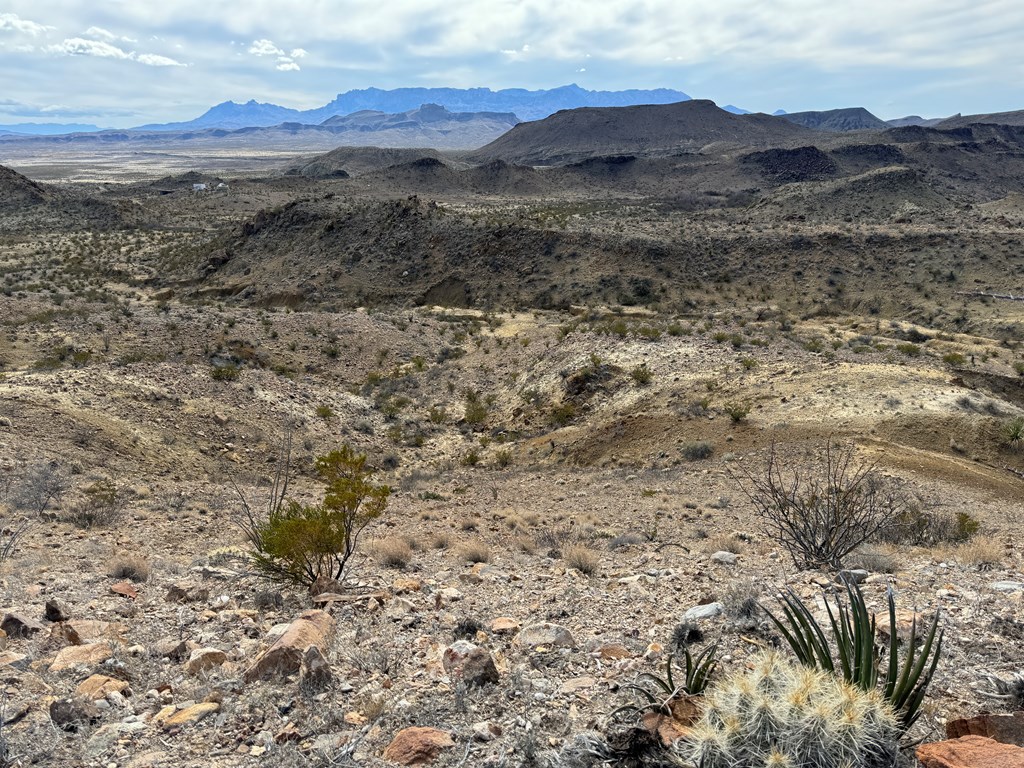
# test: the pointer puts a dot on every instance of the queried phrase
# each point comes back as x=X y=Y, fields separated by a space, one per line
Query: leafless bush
x=11 y=533
x=822 y=511
x=101 y=505
x=134 y=567
x=581 y=558
x=38 y=486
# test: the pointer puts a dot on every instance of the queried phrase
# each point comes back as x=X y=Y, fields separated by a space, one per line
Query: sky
x=119 y=63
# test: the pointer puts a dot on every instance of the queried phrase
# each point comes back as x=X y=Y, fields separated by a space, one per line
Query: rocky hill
x=851 y=119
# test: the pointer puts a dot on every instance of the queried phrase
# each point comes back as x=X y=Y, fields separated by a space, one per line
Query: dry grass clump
x=983 y=553
x=873 y=558
x=725 y=543
x=581 y=558
x=473 y=551
x=740 y=600
x=526 y=544
x=441 y=540
x=392 y=552
x=133 y=567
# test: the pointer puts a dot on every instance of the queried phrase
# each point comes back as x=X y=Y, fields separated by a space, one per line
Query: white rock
x=708 y=611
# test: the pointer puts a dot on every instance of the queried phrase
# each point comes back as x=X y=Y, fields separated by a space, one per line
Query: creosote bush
x=306 y=543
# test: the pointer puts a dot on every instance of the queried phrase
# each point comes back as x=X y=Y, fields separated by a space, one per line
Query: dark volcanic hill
x=353 y=161
x=652 y=130
x=850 y=119
x=29 y=205
x=996 y=118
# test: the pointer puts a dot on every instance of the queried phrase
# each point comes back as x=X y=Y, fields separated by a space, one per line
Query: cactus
x=781 y=715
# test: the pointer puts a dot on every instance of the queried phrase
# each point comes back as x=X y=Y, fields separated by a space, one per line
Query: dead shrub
x=133 y=567
x=580 y=558
x=526 y=544
x=983 y=553
x=873 y=558
x=392 y=552
x=473 y=551
x=740 y=600
x=725 y=543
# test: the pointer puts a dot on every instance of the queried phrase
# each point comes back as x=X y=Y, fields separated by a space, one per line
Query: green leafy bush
x=305 y=543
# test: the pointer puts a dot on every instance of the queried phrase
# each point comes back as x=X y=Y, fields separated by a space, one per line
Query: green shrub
x=908 y=349
x=698 y=450
x=226 y=372
x=954 y=359
x=325 y=412
x=1013 y=432
x=561 y=414
x=737 y=411
x=641 y=375
x=305 y=543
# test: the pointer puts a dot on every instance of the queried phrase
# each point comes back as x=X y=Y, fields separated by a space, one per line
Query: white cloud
x=298 y=53
x=11 y=22
x=106 y=34
x=153 y=60
x=265 y=47
x=287 y=66
x=79 y=46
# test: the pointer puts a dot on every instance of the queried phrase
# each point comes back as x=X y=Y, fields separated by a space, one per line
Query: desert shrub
x=772 y=713
x=641 y=375
x=920 y=526
x=133 y=567
x=471 y=458
x=1018 y=367
x=475 y=412
x=441 y=540
x=474 y=551
x=1013 y=432
x=740 y=600
x=303 y=543
x=873 y=558
x=392 y=552
x=325 y=412
x=561 y=414
x=580 y=558
x=822 y=511
x=737 y=411
x=503 y=458
x=983 y=553
x=101 y=505
x=11 y=533
x=698 y=450
x=954 y=358
x=627 y=539
x=227 y=372
x=724 y=543
x=909 y=349
x=38 y=486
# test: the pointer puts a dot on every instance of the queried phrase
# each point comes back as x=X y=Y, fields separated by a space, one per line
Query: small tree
x=303 y=543
x=822 y=511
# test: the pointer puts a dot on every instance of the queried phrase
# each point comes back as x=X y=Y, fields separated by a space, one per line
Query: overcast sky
x=126 y=62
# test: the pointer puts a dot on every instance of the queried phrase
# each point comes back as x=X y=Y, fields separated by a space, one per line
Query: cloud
x=265 y=48
x=11 y=22
x=286 y=65
x=299 y=53
x=79 y=46
x=107 y=35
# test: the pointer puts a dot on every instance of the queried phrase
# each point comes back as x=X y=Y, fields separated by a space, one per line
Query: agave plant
x=857 y=658
x=658 y=693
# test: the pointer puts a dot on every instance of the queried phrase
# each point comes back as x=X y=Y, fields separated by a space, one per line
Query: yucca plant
x=857 y=659
x=657 y=693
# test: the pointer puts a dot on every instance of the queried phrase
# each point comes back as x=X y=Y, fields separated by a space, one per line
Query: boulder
x=504 y=625
x=284 y=657
x=724 y=558
x=545 y=634
x=203 y=659
x=316 y=670
x=17 y=625
x=192 y=714
x=469 y=663
x=416 y=745
x=98 y=686
x=1008 y=729
x=56 y=611
x=71 y=714
x=80 y=655
x=970 y=752
x=708 y=611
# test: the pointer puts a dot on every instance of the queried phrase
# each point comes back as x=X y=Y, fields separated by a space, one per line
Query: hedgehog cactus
x=784 y=716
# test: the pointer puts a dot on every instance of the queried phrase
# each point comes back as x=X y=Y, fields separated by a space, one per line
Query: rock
x=3 y=640
x=708 y=611
x=316 y=670
x=70 y=714
x=284 y=657
x=503 y=625
x=82 y=631
x=55 y=611
x=469 y=663
x=12 y=659
x=1007 y=729
x=1007 y=586
x=574 y=684
x=904 y=622
x=416 y=745
x=192 y=714
x=852 y=576
x=203 y=659
x=172 y=648
x=486 y=731
x=80 y=655
x=725 y=558
x=611 y=652
x=404 y=584
x=970 y=752
x=98 y=686
x=545 y=634
x=16 y=625
x=125 y=589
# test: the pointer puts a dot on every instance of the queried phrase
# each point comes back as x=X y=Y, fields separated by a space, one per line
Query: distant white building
x=198 y=187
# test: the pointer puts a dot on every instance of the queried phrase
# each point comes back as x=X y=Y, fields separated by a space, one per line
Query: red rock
x=469 y=663
x=1008 y=729
x=970 y=752
x=284 y=657
x=125 y=589
x=416 y=746
x=98 y=686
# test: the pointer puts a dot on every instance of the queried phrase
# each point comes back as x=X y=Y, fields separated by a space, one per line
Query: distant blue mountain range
x=527 y=105
x=48 y=129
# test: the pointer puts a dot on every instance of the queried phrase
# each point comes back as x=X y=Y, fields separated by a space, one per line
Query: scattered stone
x=575 y=684
x=16 y=625
x=192 y=714
x=469 y=663
x=852 y=576
x=316 y=672
x=486 y=731
x=172 y=648
x=904 y=623
x=416 y=745
x=708 y=611
x=545 y=634
x=284 y=657
x=55 y=611
x=1004 y=728
x=725 y=558
x=98 y=686
x=970 y=752
x=503 y=625
x=611 y=652
x=71 y=714
x=125 y=589
x=405 y=584
x=80 y=655
x=3 y=640
x=203 y=659
x=12 y=659
x=1007 y=586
